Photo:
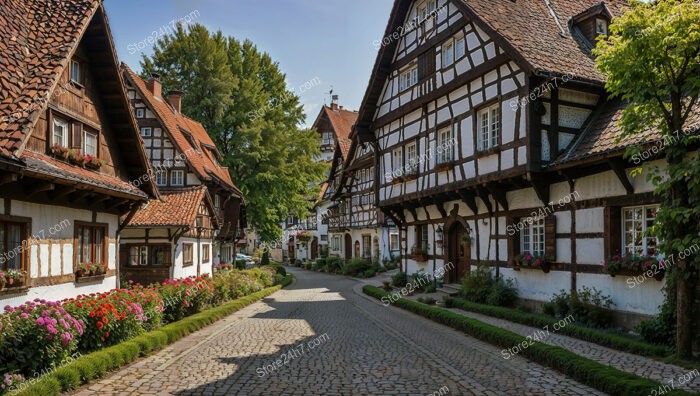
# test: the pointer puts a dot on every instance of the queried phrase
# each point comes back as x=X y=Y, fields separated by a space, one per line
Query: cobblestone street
x=320 y=337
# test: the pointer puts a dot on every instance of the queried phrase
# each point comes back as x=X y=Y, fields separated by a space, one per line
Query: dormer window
x=601 y=26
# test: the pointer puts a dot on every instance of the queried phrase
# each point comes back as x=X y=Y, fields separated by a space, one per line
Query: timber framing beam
x=617 y=165
x=39 y=188
x=484 y=196
x=541 y=187
x=499 y=194
x=470 y=200
x=8 y=178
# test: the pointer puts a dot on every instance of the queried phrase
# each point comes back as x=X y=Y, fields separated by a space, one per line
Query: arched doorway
x=348 y=247
x=357 y=249
x=458 y=252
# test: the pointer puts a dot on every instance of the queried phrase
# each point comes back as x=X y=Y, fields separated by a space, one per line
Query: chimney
x=154 y=85
x=175 y=99
x=334 y=102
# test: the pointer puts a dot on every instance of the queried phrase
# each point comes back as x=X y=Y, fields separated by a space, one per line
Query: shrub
x=37 y=334
x=421 y=280
x=334 y=264
x=308 y=266
x=265 y=258
x=184 y=297
x=357 y=266
x=321 y=263
x=588 y=307
x=399 y=279
x=476 y=285
x=661 y=330
x=503 y=293
x=265 y=275
x=240 y=264
x=281 y=270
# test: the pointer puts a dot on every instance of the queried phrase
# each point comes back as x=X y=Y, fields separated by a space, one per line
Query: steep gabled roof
x=176 y=208
x=188 y=135
x=341 y=121
x=37 y=40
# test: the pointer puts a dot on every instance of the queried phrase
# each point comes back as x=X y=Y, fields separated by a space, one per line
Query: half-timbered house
x=71 y=159
x=491 y=137
x=197 y=223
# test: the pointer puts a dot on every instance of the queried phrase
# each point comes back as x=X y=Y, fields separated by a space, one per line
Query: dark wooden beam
x=499 y=194
x=484 y=195
x=8 y=178
x=412 y=210
x=39 y=187
x=541 y=187
x=62 y=192
x=393 y=218
x=77 y=196
x=618 y=166
x=440 y=203
x=470 y=200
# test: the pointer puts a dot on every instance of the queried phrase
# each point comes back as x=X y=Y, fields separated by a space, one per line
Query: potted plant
x=15 y=278
x=101 y=268
x=59 y=151
x=386 y=285
x=304 y=236
x=419 y=253
x=84 y=269
x=92 y=162
x=2 y=280
x=634 y=265
x=527 y=260
x=76 y=157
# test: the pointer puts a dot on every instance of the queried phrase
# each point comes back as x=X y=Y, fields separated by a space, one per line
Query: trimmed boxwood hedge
x=95 y=365
x=613 y=341
x=604 y=378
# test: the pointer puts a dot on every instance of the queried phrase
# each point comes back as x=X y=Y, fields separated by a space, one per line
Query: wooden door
x=348 y=247
x=459 y=254
x=314 y=249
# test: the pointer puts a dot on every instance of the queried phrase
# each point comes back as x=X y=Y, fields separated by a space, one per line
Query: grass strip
x=599 y=376
x=95 y=365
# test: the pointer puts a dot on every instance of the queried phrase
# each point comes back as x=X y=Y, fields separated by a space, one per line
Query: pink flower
x=40 y=321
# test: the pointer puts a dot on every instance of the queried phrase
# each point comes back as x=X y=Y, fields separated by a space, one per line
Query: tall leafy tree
x=652 y=62
x=239 y=94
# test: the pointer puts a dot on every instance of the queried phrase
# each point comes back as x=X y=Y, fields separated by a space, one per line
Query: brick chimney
x=175 y=99
x=334 y=102
x=154 y=85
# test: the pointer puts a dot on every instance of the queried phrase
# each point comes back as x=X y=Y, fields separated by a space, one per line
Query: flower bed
x=41 y=334
x=635 y=265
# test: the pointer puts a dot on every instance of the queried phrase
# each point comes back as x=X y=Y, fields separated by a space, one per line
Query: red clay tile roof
x=175 y=123
x=529 y=27
x=50 y=168
x=600 y=139
x=36 y=37
x=342 y=122
x=176 y=208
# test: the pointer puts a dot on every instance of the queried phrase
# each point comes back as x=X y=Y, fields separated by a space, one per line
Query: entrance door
x=290 y=248
x=314 y=249
x=357 y=249
x=459 y=254
x=348 y=247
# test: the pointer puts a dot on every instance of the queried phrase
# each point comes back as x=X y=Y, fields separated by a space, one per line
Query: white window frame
x=532 y=237
x=217 y=201
x=445 y=154
x=85 y=143
x=639 y=241
x=161 y=178
x=146 y=132
x=174 y=179
x=448 y=53
x=394 y=241
x=397 y=158
x=601 y=26
x=75 y=71
x=411 y=154
x=65 y=127
x=460 y=54
x=408 y=78
x=141 y=112
x=335 y=243
x=488 y=127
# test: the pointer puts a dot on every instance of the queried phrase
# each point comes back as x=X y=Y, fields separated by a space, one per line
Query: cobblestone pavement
x=321 y=337
x=681 y=377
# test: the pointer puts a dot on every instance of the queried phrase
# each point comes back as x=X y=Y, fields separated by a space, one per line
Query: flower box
x=89 y=278
x=419 y=257
x=635 y=266
x=92 y=162
x=529 y=261
x=59 y=151
x=12 y=279
x=86 y=270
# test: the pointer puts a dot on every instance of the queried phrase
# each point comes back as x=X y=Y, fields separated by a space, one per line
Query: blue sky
x=320 y=42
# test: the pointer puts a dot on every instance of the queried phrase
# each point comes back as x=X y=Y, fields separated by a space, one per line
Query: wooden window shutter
x=550 y=238
x=513 y=240
x=426 y=65
x=77 y=135
x=612 y=236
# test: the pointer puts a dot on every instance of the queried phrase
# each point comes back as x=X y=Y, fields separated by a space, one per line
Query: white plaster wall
x=61 y=292
x=538 y=286
x=642 y=298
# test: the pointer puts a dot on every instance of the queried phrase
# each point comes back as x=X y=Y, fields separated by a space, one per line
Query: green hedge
x=604 y=378
x=613 y=341
x=95 y=365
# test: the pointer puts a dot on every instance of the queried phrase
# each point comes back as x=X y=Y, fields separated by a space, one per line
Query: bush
x=184 y=297
x=334 y=264
x=399 y=279
x=477 y=284
x=503 y=293
x=604 y=378
x=240 y=264
x=421 y=280
x=321 y=263
x=308 y=266
x=265 y=260
x=661 y=330
x=357 y=266
x=588 y=306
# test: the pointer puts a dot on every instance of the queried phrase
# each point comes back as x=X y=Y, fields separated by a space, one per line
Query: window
x=149 y=255
x=448 y=54
x=444 y=146
x=141 y=113
x=226 y=254
x=635 y=223
x=601 y=26
x=146 y=132
x=460 y=48
x=408 y=78
x=489 y=128
x=90 y=143
x=335 y=243
x=394 y=241
x=162 y=178
x=397 y=161
x=205 y=253
x=60 y=132
x=412 y=158
x=91 y=244
x=12 y=245
x=75 y=71
x=425 y=10
x=187 y=257
x=366 y=246
x=532 y=237
x=327 y=138
x=422 y=238
x=177 y=178
x=217 y=201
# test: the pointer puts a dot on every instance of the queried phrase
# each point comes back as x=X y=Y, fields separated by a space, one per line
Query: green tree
x=239 y=94
x=652 y=62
